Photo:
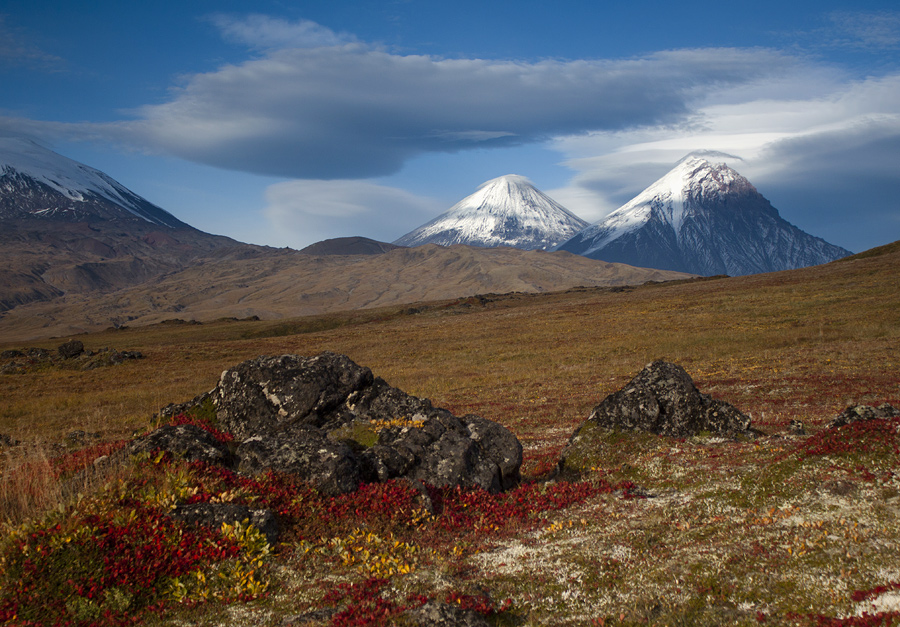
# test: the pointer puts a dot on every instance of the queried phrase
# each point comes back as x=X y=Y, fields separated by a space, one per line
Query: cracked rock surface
x=334 y=424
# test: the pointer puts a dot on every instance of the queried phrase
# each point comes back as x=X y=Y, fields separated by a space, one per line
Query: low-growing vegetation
x=790 y=528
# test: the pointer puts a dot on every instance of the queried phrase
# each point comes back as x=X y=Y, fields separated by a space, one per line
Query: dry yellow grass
x=537 y=363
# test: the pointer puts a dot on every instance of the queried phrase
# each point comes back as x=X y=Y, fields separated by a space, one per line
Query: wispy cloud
x=827 y=162
x=17 y=52
x=263 y=32
x=880 y=31
x=316 y=210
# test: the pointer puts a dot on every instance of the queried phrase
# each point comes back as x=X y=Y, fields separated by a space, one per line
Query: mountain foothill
x=84 y=253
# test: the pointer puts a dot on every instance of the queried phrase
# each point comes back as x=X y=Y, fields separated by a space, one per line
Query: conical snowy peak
x=702 y=218
x=505 y=211
x=38 y=183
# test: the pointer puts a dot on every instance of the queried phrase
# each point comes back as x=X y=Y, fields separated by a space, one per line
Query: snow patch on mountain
x=505 y=211
x=34 y=172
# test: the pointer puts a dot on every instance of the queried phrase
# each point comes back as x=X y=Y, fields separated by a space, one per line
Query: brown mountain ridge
x=242 y=281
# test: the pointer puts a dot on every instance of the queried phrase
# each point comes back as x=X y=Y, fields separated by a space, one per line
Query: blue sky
x=284 y=123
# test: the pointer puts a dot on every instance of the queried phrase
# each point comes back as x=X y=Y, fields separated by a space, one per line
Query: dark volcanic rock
x=267 y=393
x=71 y=349
x=435 y=614
x=334 y=424
x=216 y=514
x=855 y=413
x=305 y=452
x=187 y=441
x=662 y=399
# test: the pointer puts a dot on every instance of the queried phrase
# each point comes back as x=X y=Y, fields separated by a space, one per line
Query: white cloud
x=318 y=105
x=264 y=33
x=827 y=163
x=315 y=210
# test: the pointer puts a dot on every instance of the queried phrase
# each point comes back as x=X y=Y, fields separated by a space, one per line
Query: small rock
x=216 y=514
x=855 y=413
x=71 y=349
x=8 y=440
x=436 y=614
x=80 y=438
x=839 y=487
x=662 y=399
x=314 y=617
x=41 y=354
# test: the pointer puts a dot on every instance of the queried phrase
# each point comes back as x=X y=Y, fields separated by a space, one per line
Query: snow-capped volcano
x=38 y=183
x=505 y=211
x=702 y=218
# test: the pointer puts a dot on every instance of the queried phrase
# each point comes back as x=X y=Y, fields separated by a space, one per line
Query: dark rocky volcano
x=67 y=228
x=704 y=219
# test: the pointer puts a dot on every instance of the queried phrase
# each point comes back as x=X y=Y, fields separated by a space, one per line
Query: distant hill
x=276 y=283
x=349 y=246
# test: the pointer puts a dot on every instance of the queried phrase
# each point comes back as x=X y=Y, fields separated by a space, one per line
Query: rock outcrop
x=189 y=442
x=856 y=413
x=661 y=399
x=71 y=349
x=71 y=355
x=334 y=424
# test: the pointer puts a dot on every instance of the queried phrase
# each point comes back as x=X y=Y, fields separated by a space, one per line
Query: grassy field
x=783 y=530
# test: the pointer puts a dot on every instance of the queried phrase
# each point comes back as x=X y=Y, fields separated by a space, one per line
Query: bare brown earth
x=270 y=283
x=44 y=259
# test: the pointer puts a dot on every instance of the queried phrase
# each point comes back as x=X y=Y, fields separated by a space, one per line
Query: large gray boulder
x=266 y=394
x=334 y=424
x=304 y=451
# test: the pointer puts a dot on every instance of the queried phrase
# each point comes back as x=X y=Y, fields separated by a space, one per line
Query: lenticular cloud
x=351 y=111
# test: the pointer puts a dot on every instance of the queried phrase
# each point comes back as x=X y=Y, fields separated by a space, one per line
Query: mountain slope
x=277 y=283
x=67 y=228
x=38 y=183
x=705 y=219
x=505 y=211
